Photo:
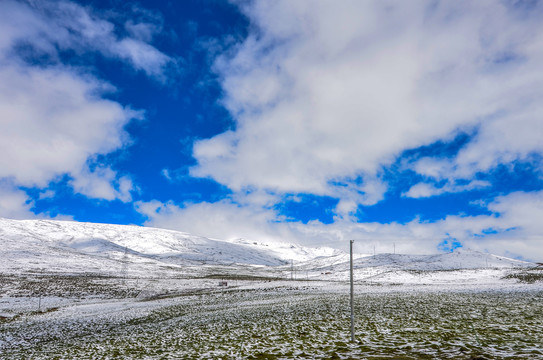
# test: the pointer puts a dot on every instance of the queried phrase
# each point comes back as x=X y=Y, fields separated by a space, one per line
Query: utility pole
x=352 y=293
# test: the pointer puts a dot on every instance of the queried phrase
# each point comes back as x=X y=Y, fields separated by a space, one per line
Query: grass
x=293 y=323
x=34 y=285
x=529 y=276
x=241 y=277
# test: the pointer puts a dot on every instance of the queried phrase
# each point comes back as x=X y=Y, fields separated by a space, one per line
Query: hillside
x=64 y=246
x=46 y=246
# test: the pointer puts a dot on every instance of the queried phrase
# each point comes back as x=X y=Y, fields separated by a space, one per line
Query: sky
x=413 y=127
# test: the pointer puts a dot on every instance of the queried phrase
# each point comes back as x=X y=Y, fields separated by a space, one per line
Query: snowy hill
x=460 y=266
x=63 y=281
x=458 y=260
x=46 y=246
x=64 y=246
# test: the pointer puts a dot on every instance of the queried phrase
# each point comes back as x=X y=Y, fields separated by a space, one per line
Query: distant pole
x=352 y=293
x=291 y=269
x=394 y=248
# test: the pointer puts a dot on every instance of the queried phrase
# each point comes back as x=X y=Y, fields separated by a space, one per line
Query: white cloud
x=142 y=56
x=422 y=190
x=222 y=220
x=512 y=229
x=14 y=203
x=54 y=119
x=323 y=93
x=103 y=183
x=227 y=219
x=66 y=25
x=47 y=194
x=438 y=169
x=522 y=211
x=515 y=136
x=141 y=30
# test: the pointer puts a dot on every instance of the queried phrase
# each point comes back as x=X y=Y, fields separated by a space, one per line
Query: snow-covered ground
x=81 y=290
x=464 y=266
x=284 y=320
x=61 y=262
x=119 y=250
x=72 y=247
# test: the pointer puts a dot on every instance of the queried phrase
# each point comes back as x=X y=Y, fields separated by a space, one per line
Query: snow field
x=289 y=320
x=79 y=290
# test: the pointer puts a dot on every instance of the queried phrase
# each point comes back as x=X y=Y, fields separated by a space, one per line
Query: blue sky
x=409 y=125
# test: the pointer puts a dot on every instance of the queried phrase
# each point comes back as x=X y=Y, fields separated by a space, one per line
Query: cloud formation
x=55 y=119
x=513 y=227
x=52 y=121
x=14 y=203
x=324 y=95
x=328 y=99
x=423 y=190
x=50 y=27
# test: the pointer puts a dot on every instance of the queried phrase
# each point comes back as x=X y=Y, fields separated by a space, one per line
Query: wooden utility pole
x=352 y=293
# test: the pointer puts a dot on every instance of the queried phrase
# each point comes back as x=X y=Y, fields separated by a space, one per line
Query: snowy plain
x=81 y=290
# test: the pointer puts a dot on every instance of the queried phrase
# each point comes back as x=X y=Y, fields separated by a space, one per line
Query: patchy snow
x=94 y=290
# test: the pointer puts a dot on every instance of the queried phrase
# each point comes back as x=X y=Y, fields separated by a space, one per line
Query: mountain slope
x=120 y=250
x=72 y=246
x=460 y=266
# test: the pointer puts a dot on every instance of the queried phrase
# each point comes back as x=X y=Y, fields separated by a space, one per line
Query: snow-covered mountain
x=72 y=247
x=460 y=266
x=460 y=259
x=64 y=246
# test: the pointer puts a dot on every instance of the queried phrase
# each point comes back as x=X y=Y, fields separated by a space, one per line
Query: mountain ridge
x=68 y=246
